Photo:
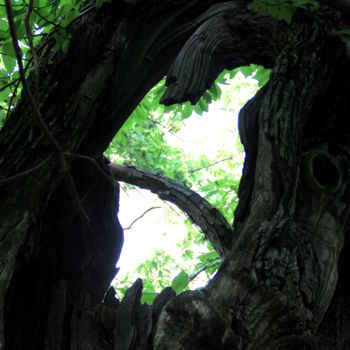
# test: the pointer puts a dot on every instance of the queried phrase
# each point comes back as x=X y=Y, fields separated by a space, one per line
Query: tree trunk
x=283 y=285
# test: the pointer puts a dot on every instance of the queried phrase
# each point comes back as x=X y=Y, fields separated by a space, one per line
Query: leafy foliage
x=47 y=17
x=143 y=142
x=285 y=9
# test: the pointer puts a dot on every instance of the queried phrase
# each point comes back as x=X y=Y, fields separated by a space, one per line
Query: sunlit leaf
x=9 y=62
x=148 y=297
x=180 y=282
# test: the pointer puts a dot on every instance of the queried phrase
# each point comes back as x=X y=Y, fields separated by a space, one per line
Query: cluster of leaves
x=142 y=142
x=46 y=17
x=284 y=9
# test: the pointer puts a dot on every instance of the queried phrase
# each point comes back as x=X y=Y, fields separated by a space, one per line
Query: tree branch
x=217 y=45
x=211 y=164
x=139 y=218
x=200 y=212
x=32 y=49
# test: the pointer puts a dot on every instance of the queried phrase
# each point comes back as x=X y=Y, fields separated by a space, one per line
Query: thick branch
x=216 y=45
x=200 y=212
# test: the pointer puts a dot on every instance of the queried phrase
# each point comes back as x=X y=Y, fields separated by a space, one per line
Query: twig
x=168 y=131
x=14 y=93
x=32 y=49
x=182 y=215
x=39 y=120
x=211 y=164
x=35 y=112
x=211 y=222
x=6 y=54
x=40 y=15
x=139 y=218
x=196 y=274
x=93 y=161
x=24 y=173
x=2 y=88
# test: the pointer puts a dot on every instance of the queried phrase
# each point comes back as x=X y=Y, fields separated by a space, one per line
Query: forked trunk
x=284 y=283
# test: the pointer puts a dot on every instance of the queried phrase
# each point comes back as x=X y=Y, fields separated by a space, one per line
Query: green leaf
x=148 y=297
x=203 y=104
x=65 y=45
x=198 y=108
x=282 y=10
x=215 y=91
x=344 y=31
x=19 y=11
x=7 y=49
x=262 y=75
x=187 y=111
x=20 y=28
x=4 y=93
x=180 y=282
x=3 y=35
x=246 y=71
x=286 y=13
x=210 y=256
x=9 y=63
x=311 y=5
x=4 y=24
x=99 y=3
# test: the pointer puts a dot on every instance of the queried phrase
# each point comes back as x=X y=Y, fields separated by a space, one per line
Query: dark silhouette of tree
x=283 y=282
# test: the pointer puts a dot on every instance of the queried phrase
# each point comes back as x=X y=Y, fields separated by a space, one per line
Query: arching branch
x=200 y=212
x=216 y=45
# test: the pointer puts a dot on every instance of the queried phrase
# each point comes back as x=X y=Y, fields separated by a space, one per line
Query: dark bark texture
x=283 y=283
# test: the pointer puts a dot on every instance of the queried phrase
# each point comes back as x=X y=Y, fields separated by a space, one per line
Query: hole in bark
x=325 y=171
x=223 y=172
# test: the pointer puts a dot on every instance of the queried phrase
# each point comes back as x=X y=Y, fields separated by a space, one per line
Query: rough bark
x=85 y=97
x=279 y=287
x=273 y=291
x=205 y=216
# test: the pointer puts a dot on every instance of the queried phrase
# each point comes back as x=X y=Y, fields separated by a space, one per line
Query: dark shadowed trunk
x=283 y=284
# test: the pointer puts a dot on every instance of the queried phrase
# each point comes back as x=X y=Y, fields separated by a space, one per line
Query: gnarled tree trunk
x=283 y=284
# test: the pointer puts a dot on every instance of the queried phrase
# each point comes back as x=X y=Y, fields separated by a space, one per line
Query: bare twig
x=211 y=164
x=6 y=54
x=39 y=120
x=196 y=274
x=32 y=50
x=40 y=15
x=167 y=130
x=200 y=212
x=91 y=160
x=35 y=111
x=182 y=215
x=139 y=218
x=13 y=96
x=2 y=88
x=24 y=173
x=14 y=93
